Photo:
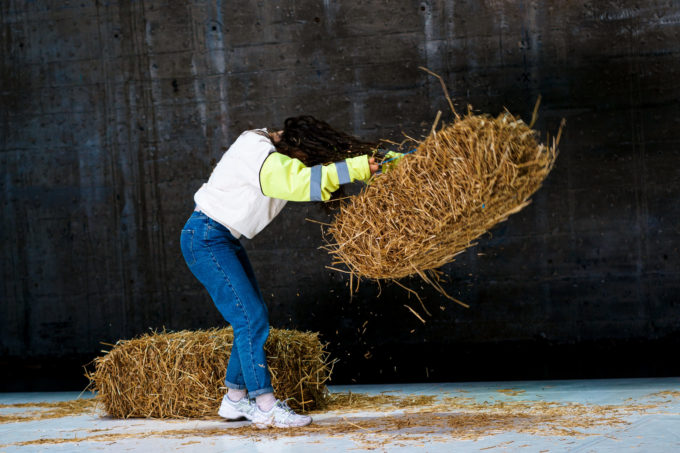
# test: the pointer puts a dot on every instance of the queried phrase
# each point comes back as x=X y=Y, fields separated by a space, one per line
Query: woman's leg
x=248 y=268
x=234 y=377
x=221 y=264
x=218 y=267
x=265 y=401
x=191 y=243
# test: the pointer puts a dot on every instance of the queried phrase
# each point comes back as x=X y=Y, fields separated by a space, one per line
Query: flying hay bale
x=181 y=374
x=461 y=181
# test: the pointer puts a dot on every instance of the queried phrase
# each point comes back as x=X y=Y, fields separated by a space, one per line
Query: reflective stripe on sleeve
x=315 y=184
x=343 y=172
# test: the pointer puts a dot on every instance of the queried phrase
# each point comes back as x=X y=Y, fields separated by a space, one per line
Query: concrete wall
x=114 y=112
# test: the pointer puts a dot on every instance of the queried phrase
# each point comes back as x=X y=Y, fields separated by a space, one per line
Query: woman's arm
x=288 y=178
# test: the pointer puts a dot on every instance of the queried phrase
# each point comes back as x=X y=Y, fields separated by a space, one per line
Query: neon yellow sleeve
x=287 y=178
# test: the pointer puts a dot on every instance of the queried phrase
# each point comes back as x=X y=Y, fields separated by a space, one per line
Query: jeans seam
x=240 y=303
x=191 y=245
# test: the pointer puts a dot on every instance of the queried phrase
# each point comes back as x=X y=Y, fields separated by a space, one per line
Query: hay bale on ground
x=181 y=374
x=461 y=181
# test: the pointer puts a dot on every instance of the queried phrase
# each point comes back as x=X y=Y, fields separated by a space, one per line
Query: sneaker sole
x=231 y=414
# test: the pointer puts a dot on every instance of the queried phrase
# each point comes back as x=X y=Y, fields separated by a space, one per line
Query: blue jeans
x=220 y=263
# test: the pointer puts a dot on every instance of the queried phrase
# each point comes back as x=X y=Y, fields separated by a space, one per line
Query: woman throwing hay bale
x=256 y=176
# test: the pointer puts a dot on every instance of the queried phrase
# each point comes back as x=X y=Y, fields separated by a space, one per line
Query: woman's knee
x=260 y=323
x=255 y=334
x=254 y=320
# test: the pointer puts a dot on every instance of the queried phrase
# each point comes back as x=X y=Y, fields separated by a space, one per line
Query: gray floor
x=631 y=415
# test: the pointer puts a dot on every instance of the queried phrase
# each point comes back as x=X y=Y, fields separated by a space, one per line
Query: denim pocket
x=187 y=245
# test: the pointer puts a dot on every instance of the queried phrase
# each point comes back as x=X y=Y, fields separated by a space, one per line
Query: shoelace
x=284 y=406
x=289 y=413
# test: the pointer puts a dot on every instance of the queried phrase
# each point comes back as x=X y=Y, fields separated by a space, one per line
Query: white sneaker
x=236 y=409
x=280 y=416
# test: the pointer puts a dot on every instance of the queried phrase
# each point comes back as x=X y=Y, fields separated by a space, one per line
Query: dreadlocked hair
x=315 y=142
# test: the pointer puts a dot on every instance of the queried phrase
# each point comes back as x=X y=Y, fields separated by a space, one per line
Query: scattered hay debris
x=44 y=410
x=510 y=392
x=428 y=418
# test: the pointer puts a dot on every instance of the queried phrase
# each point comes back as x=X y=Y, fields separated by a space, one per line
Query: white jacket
x=232 y=195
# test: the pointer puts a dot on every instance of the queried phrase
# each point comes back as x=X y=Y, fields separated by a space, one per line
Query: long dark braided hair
x=315 y=142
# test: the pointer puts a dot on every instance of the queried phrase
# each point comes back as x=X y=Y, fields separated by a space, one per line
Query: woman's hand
x=372 y=165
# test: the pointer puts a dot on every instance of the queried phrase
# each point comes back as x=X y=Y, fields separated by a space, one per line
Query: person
x=259 y=173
